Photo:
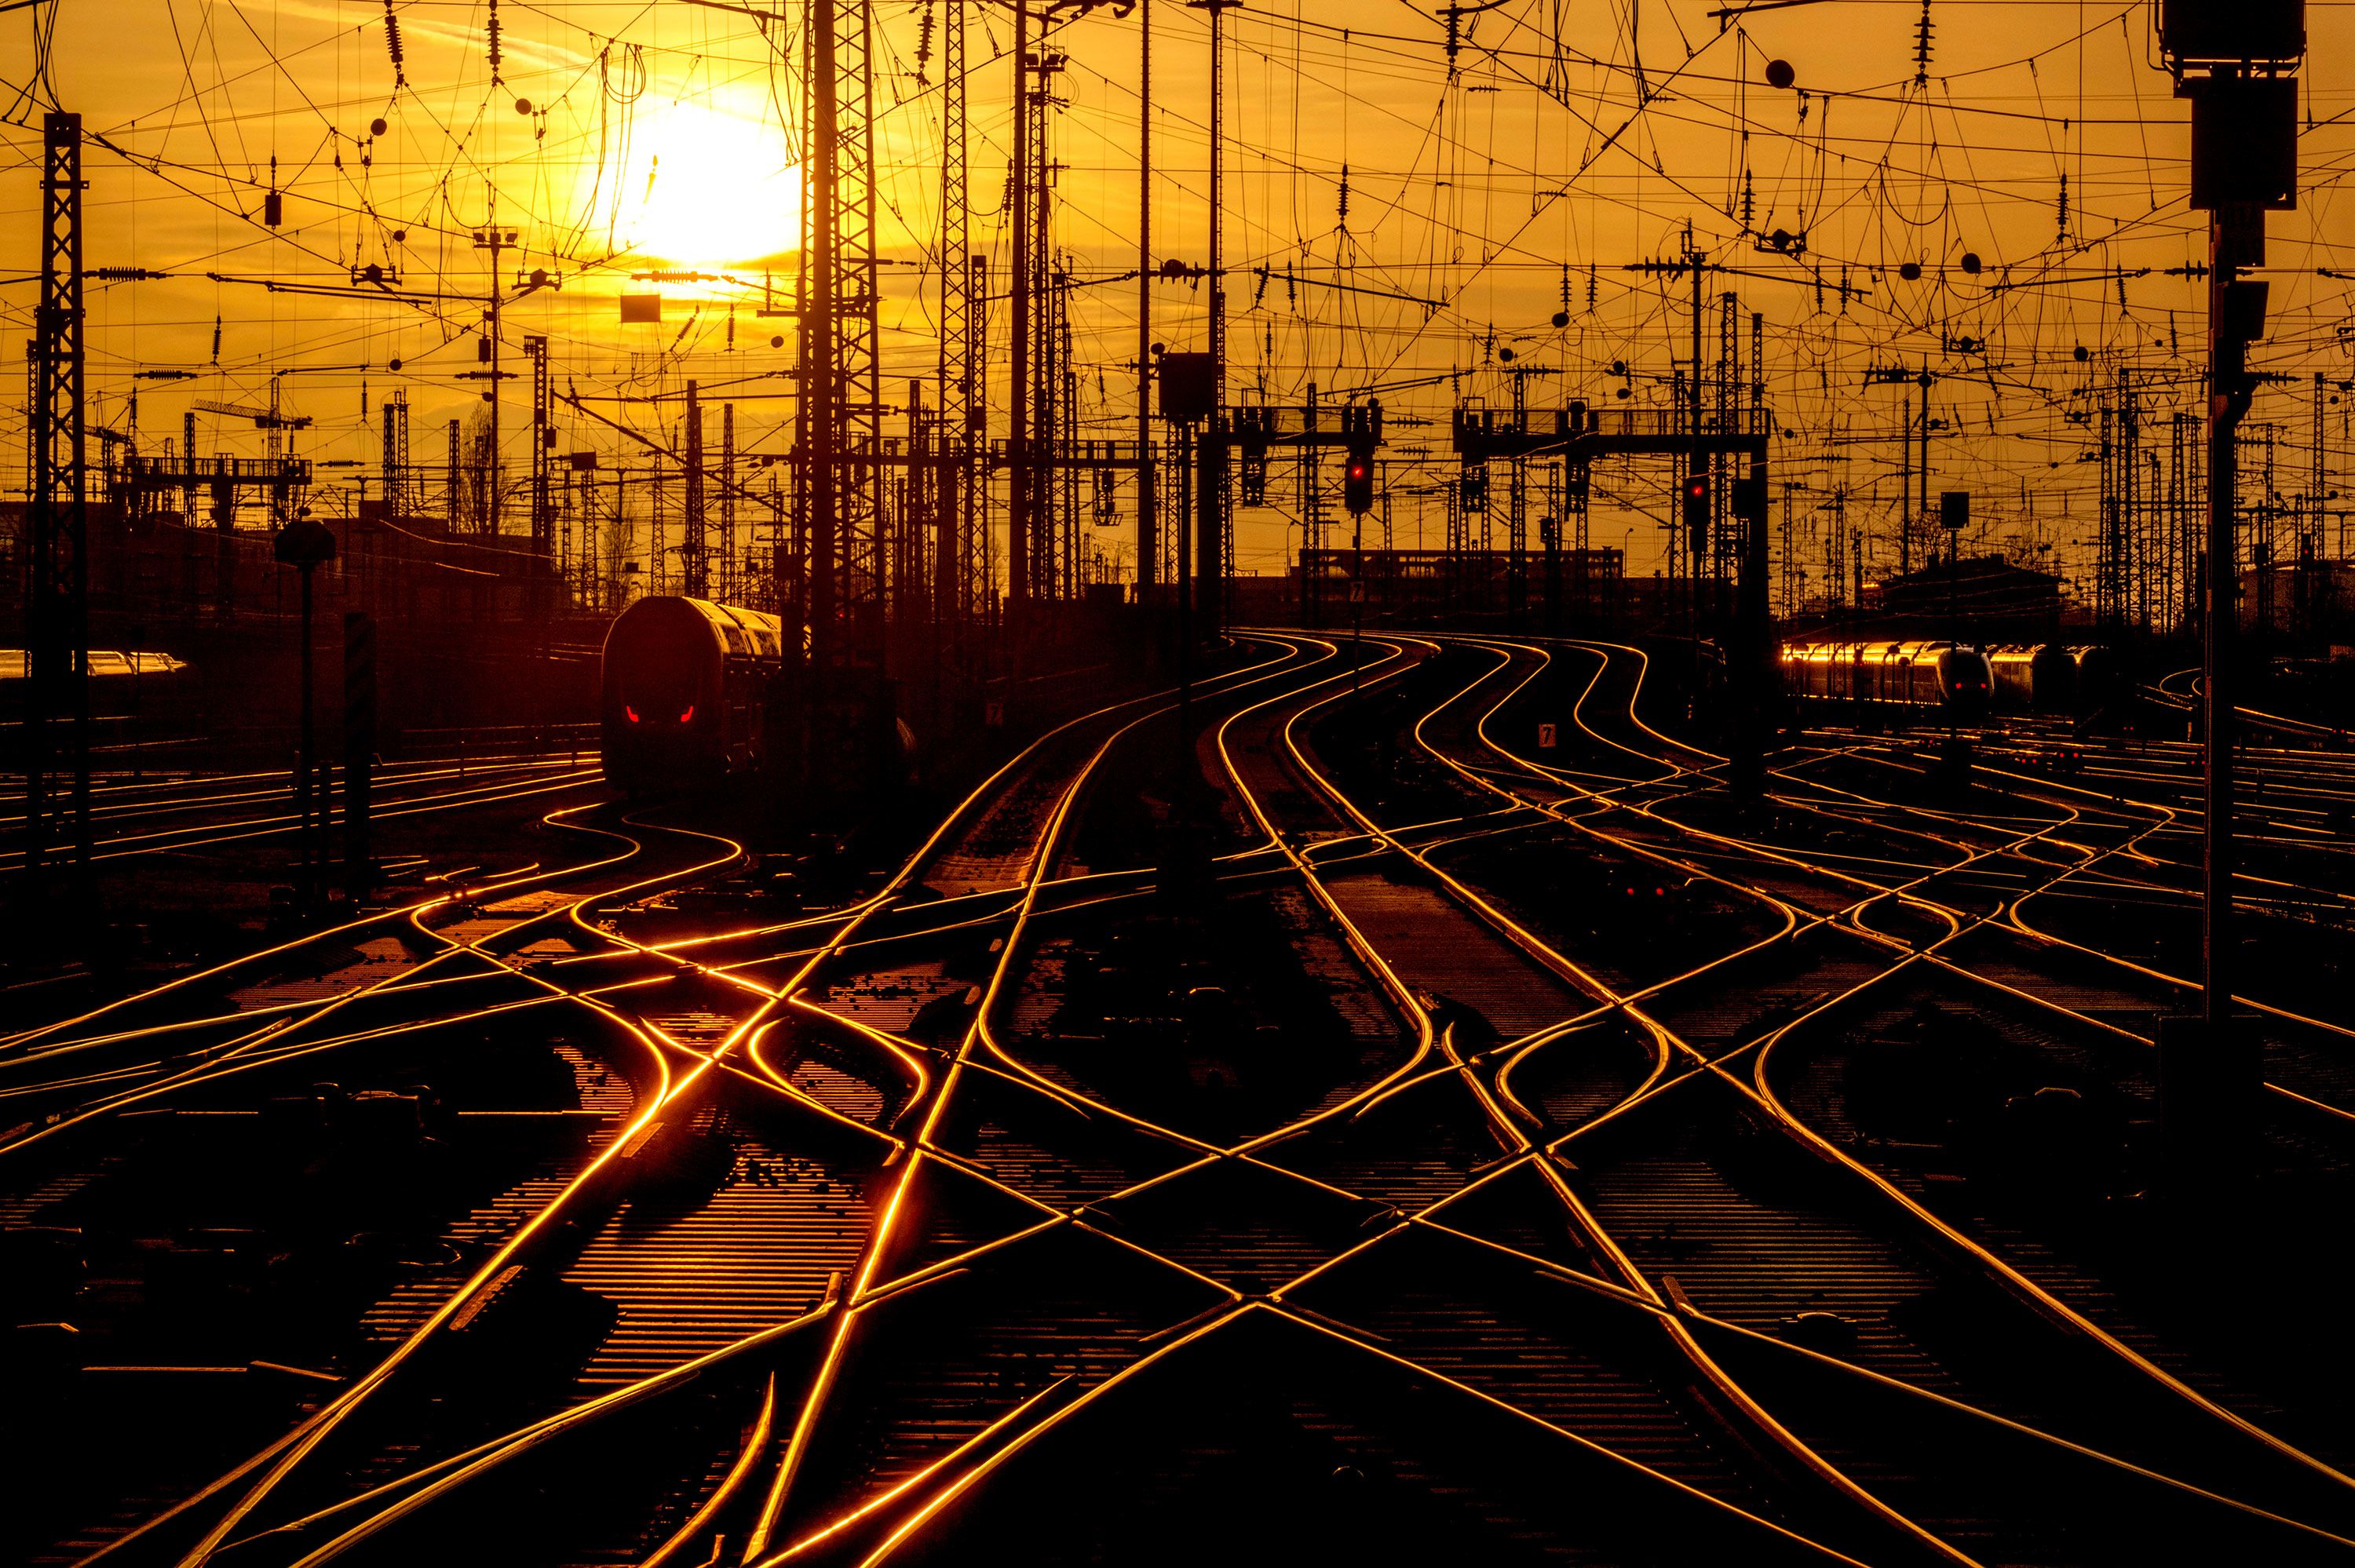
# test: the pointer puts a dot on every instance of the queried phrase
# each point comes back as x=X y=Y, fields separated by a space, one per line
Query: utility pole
x=693 y=569
x=1921 y=510
x=1019 y=519
x=305 y=544
x=494 y=239
x=58 y=598
x=1210 y=477
x=838 y=414
x=395 y=456
x=821 y=368
x=1693 y=263
x=958 y=580
x=543 y=515
x=1897 y=376
x=2234 y=64
x=1312 y=519
x=1517 y=512
x=1696 y=544
x=1905 y=491
x=1148 y=534
x=730 y=557
x=359 y=749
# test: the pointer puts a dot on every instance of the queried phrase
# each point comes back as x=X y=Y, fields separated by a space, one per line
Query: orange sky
x=1521 y=183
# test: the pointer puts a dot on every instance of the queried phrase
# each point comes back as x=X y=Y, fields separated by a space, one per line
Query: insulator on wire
x=392 y=45
x=491 y=33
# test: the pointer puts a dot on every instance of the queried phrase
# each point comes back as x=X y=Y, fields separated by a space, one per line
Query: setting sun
x=710 y=189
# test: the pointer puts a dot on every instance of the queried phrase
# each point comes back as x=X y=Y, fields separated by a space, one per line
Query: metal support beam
x=695 y=568
x=56 y=599
x=543 y=514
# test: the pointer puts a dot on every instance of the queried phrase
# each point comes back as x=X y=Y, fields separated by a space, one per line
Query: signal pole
x=2234 y=64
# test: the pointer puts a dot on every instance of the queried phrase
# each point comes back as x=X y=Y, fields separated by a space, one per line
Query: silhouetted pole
x=56 y=599
x=1210 y=476
x=1018 y=521
x=304 y=544
x=1148 y=534
x=359 y=749
x=2233 y=62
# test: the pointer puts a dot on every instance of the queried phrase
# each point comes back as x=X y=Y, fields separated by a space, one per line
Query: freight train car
x=1905 y=675
x=686 y=691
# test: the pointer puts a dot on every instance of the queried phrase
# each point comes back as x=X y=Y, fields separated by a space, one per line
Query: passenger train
x=133 y=693
x=2034 y=680
x=687 y=685
x=2046 y=679
x=1906 y=674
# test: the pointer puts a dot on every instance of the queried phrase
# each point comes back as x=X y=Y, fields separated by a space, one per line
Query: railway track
x=2043 y=1046
x=1661 y=1184
x=1339 y=1128
x=181 y=816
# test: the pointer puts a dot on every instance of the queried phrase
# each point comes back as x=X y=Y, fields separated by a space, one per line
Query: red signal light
x=629 y=713
x=689 y=715
x=1358 y=482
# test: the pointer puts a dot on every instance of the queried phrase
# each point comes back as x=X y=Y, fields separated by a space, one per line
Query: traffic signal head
x=1358 y=483
x=1695 y=493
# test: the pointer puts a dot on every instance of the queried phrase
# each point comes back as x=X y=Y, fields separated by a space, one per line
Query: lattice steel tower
x=961 y=584
x=840 y=409
x=57 y=588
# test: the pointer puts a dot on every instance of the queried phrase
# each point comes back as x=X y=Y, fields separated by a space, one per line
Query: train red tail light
x=629 y=713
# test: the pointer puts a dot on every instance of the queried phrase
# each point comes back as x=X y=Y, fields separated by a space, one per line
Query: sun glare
x=711 y=190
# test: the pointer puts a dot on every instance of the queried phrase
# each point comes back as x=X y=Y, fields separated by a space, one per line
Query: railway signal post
x=359 y=749
x=304 y=544
x=2234 y=62
x=1954 y=517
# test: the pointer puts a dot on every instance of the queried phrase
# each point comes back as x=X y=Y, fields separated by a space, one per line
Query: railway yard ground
x=1413 y=1114
x=191 y=864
